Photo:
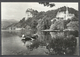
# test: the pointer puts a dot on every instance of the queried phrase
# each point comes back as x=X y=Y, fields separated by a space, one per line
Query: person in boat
x=29 y=38
x=25 y=38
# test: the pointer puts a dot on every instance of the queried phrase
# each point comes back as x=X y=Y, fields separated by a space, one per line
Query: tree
x=57 y=25
x=48 y=4
x=75 y=26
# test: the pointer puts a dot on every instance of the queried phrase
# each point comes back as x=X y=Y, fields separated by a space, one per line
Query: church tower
x=67 y=12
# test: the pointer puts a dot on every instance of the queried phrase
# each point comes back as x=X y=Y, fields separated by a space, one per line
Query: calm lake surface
x=12 y=45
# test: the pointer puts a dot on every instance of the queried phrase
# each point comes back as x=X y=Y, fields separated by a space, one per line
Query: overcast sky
x=16 y=10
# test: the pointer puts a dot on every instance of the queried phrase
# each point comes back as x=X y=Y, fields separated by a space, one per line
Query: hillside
x=5 y=23
x=33 y=22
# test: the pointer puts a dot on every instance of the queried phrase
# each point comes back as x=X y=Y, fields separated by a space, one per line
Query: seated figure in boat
x=28 y=38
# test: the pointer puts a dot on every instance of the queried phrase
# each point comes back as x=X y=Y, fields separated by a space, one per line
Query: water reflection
x=12 y=44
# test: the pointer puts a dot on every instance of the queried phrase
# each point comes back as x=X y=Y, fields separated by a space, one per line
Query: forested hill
x=33 y=22
x=5 y=23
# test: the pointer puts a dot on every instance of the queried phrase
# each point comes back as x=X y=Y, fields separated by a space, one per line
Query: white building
x=28 y=14
x=18 y=28
x=64 y=15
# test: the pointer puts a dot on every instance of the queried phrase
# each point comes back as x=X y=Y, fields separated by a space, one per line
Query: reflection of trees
x=43 y=24
x=62 y=46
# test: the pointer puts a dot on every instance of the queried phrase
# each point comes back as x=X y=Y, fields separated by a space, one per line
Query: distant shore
x=10 y=30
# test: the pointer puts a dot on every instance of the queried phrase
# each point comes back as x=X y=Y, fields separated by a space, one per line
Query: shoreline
x=10 y=30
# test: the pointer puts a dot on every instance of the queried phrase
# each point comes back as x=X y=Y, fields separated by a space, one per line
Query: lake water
x=12 y=45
